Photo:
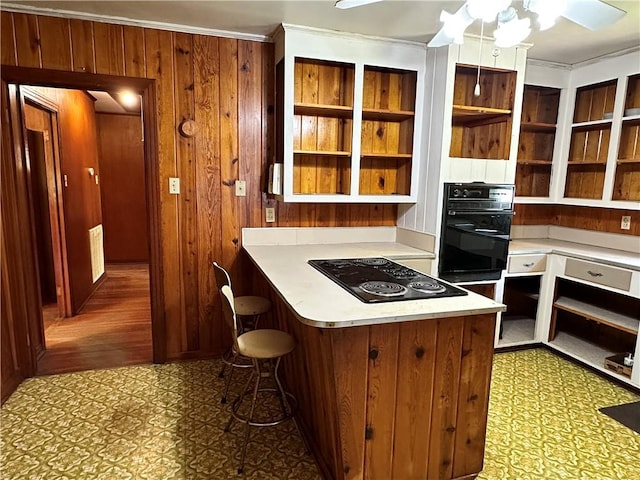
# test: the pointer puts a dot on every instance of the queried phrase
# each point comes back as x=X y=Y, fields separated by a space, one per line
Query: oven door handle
x=481 y=212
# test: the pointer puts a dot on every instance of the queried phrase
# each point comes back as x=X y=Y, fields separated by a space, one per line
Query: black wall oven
x=476 y=225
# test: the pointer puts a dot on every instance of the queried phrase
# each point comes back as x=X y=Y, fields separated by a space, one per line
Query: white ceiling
x=409 y=20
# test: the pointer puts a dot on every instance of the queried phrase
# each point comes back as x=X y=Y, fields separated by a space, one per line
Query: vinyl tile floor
x=162 y=422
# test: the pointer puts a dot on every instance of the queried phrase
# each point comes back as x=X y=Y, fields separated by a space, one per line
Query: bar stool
x=265 y=348
x=248 y=307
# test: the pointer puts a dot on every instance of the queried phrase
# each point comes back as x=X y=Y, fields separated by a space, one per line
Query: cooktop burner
x=430 y=286
x=372 y=261
x=384 y=289
x=377 y=279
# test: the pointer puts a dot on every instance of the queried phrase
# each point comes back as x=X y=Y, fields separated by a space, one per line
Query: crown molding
x=16 y=8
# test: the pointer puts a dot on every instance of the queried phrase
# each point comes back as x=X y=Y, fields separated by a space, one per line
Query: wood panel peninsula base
x=393 y=401
x=391 y=390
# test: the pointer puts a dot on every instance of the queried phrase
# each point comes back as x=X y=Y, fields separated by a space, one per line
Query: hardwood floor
x=112 y=330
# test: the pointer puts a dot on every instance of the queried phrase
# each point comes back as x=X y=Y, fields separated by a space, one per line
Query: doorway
x=32 y=142
x=107 y=322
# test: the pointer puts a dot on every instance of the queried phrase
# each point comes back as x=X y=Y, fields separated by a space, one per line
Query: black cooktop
x=376 y=279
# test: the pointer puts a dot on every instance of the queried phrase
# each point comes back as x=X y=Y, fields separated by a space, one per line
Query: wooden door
x=42 y=155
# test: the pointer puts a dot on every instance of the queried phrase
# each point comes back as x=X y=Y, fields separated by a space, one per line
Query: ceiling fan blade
x=344 y=4
x=592 y=14
x=440 y=39
x=453 y=28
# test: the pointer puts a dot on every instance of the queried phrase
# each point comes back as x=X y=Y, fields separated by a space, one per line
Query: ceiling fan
x=511 y=30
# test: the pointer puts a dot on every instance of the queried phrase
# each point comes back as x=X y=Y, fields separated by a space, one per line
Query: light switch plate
x=270 y=214
x=241 y=188
x=174 y=185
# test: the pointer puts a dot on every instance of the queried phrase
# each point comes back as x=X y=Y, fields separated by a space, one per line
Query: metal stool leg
x=227 y=382
x=247 y=425
x=238 y=400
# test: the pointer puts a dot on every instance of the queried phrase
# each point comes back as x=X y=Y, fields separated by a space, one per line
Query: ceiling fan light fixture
x=344 y=4
x=455 y=24
x=511 y=30
x=486 y=10
x=548 y=11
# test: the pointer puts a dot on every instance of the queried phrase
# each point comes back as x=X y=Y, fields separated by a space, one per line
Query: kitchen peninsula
x=393 y=390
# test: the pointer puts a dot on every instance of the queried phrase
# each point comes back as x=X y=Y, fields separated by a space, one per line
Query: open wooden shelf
x=481 y=125
x=386 y=115
x=330 y=153
x=536 y=141
x=594 y=101
x=593 y=125
x=586 y=163
x=546 y=163
x=627 y=179
x=316 y=110
x=586 y=168
x=393 y=156
x=605 y=316
x=593 y=323
x=468 y=113
x=538 y=127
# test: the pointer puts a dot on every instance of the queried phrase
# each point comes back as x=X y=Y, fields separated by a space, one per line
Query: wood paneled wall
x=124 y=203
x=587 y=218
x=226 y=86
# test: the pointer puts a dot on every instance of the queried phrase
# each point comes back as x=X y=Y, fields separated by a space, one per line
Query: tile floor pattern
x=165 y=422
x=544 y=422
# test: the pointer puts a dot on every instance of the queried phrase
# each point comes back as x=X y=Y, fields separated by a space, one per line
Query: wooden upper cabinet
x=348 y=116
x=536 y=142
x=386 y=146
x=590 y=136
x=481 y=125
x=627 y=178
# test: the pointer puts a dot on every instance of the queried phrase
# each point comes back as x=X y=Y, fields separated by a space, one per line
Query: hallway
x=112 y=330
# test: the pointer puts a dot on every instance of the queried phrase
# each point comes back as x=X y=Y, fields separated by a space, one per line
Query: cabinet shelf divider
x=390 y=156
x=535 y=162
x=313 y=109
x=386 y=115
x=322 y=153
x=605 y=316
x=538 y=127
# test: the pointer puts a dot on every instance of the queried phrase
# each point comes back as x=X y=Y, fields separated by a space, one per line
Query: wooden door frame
x=57 y=218
x=147 y=89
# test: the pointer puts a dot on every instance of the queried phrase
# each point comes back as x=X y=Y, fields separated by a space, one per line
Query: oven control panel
x=474 y=196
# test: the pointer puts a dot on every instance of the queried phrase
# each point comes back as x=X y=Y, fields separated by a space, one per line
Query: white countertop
x=609 y=256
x=318 y=301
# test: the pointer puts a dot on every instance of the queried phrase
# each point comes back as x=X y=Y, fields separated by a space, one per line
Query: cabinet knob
x=594 y=274
x=530 y=264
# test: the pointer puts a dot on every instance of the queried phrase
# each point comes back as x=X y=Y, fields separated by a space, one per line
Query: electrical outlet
x=270 y=214
x=625 y=224
x=174 y=185
x=241 y=188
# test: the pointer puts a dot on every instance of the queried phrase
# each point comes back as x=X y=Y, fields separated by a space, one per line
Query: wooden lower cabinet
x=393 y=401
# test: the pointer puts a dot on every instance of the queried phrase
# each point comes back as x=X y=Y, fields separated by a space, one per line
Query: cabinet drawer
x=527 y=263
x=603 y=275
